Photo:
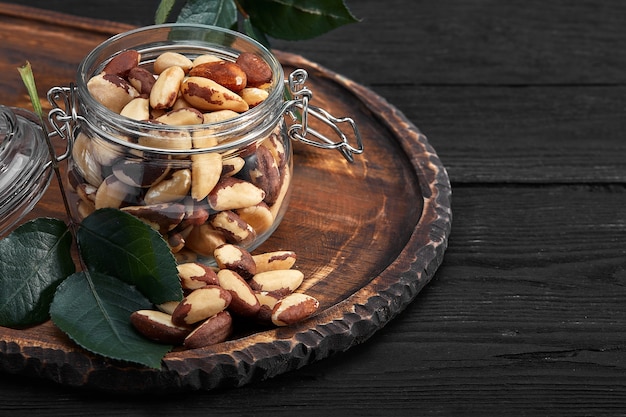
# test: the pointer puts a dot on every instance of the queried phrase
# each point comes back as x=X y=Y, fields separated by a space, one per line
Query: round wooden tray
x=368 y=235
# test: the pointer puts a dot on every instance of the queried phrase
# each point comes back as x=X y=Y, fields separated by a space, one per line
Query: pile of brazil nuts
x=200 y=201
x=260 y=288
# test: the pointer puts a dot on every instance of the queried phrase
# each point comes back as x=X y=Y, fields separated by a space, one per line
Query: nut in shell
x=194 y=275
x=278 y=281
x=201 y=304
x=207 y=95
x=170 y=190
x=235 y=258
x=215 y=329
x=112 y=91
x=161 y=217
x=244 y=302
x=277 y=260
x=225 y=73
x=294 y=308
x=122 y=63
x=165 y=90
x=158 y=326
x=233 y=228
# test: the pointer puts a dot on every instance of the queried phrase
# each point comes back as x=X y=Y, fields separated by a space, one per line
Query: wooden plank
x=463 y=42
x=548 y=134
x=448 y=42
x=490 y=332
x=532 y=134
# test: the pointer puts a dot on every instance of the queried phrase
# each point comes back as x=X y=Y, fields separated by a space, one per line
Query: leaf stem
x=26 y=72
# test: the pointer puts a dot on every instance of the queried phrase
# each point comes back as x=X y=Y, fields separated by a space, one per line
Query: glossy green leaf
x=222 y=13
x=255 y=33
x=115 y=243
x=94 y=310
x=163 y=11
x=34 y=259
x=297 y=19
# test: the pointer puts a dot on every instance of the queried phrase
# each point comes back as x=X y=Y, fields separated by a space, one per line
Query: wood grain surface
x=338 y=223
x=524 y=103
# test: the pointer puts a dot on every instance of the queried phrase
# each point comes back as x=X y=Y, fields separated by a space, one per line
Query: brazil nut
x=205 y=94
x=201 y=304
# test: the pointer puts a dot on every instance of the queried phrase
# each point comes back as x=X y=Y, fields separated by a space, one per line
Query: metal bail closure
x=62 y=122
x=300 y=130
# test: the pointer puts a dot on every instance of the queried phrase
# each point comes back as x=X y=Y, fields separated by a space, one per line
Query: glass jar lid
x=25 y=171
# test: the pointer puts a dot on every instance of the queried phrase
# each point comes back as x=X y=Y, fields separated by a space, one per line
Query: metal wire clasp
x=299 y=108
x=62 y=122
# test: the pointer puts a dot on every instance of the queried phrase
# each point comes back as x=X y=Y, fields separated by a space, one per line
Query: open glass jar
x=199 y=184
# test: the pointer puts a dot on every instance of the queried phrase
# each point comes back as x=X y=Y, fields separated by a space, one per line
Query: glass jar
x=202 y=184
x=25 y=171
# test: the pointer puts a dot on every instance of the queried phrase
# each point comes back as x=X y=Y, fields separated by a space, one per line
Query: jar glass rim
x=25 y=171
x=193 y=38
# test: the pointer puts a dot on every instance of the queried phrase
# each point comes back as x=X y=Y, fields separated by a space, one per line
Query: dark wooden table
x=525 y=103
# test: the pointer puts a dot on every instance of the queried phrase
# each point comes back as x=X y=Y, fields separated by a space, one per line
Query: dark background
x=525 y=103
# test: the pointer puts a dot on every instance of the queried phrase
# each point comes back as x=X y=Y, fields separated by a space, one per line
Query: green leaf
x=255 y=33
x=115 y=243
x=163 y=11
x=34 y=259
x=297 y=19
x=222 y=13
x=94 y=310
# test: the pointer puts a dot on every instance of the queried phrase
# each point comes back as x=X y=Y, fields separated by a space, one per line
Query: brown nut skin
x=235 y=258
x=137 y=173
x=195 y=214
x=294 y=308
x=113 y=193
x=194 y=275
x=233 y=193
x=225 y=73
x=201 y=304
x=258 y=72
x=142 y=80
x=265 y=174
x=122 y=63
x=170 y=190
x=267 y=301
x=276 y=146
x=158 y=326
x=207 y=95
x=244 y=302
x=232 y=166
x=276 y=260
x=112 y=91
x=233 y=228
x=161 y=217
x=215 y=329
